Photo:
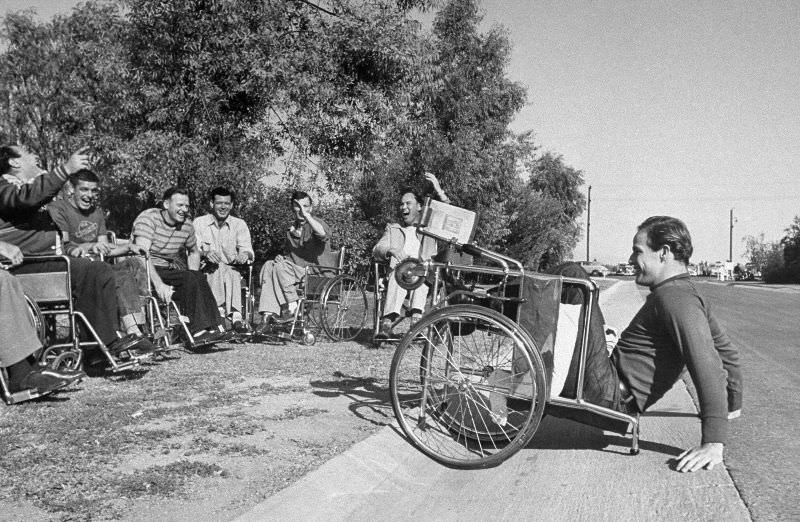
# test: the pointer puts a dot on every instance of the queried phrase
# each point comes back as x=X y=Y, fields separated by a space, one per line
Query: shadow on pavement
x=364 y=393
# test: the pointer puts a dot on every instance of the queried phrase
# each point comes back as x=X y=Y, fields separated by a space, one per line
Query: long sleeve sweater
x=23 y=221
x=675 y=329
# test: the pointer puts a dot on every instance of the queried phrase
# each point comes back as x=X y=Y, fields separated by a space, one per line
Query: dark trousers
x=193 y=296
x=93 y=291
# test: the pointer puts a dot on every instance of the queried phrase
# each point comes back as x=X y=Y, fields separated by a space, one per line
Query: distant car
x=624 y=269
x=692 y=269
x=594 y=268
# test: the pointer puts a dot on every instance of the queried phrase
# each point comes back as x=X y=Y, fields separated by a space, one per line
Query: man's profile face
x=177 y=207
x=647 y=263
x=409 y=208
x=221 y=207
x=85 y=195
x=27 y=166
x=305 y=205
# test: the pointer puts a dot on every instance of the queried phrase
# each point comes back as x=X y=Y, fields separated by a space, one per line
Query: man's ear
x=164 y=204
x=665 y=253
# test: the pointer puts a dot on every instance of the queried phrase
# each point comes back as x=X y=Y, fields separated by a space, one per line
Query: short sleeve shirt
x=309 y=247
x=167 y=241
x=76 y=225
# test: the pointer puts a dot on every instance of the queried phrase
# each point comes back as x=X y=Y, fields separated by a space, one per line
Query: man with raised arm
x=401 y=241
x=307 y=240
x=168 y=235
x=224 y=240
x=24 y=190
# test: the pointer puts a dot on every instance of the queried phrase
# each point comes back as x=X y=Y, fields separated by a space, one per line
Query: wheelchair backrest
x=46 y=280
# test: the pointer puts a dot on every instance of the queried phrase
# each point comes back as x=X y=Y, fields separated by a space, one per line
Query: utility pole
x=588 y=221
x=730 y=241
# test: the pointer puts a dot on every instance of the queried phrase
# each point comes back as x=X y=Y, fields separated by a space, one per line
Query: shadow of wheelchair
x=365 y=394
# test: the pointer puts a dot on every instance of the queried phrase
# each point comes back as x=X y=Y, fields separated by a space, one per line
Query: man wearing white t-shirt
x=399 y=242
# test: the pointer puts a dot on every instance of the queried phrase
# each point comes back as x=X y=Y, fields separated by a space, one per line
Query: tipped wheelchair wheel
x=343 y=308
x=468 y=386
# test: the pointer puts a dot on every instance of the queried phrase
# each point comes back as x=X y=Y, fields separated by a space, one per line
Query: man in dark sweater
x=24 y=190
x=676 y=329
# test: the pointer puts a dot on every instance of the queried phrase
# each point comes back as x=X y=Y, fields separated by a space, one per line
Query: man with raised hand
x=401 y=241
x=307 y=240
x=24 y=190
x=224 y=240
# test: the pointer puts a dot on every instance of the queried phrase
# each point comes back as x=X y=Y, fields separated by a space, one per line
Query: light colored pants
x=17 y=333
x=279 y=281
x=226 y=285
x=396 y=295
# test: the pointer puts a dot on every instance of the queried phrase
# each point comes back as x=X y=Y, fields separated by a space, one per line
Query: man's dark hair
x=7 y=152
x=298 y=195
x=174 y=190
x=83 y=175
x=670 y=231
x=411 y=190
x=221 y=191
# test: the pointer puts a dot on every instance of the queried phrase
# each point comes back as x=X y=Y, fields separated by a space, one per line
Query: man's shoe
x=124 y=343
x=44 y=381
x=242 y=328
x=285 y=317
x=385 y=330
x=209 y=337
x=143 y=347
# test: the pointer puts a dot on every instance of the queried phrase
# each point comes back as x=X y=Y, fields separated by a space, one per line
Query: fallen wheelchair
x=472 y=379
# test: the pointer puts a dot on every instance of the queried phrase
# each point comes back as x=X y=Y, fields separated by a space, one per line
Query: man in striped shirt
x=168 y=234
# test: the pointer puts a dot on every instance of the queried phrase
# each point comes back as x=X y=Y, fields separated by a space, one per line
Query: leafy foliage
x=349 y=100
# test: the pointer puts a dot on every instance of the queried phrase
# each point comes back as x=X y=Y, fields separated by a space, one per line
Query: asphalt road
x=763 y=455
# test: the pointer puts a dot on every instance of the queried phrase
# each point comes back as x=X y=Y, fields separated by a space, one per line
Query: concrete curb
x=568 y=472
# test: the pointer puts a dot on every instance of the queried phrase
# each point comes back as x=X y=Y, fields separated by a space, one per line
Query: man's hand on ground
x=705 y=456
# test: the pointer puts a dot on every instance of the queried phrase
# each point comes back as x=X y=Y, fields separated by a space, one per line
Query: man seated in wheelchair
x=24 y=190
x=224 y=241
x=166 y=233
x=401 y=241
x=307 y=242
x=83 y=222
x=675 y=329
x=19 y=343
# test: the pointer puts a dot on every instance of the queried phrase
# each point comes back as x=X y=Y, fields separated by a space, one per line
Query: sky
x=681 y=108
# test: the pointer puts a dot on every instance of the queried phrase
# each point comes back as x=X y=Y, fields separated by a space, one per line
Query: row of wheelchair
x=332 y=303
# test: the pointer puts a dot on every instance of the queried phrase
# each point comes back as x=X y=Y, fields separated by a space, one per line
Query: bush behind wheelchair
x=471 y=381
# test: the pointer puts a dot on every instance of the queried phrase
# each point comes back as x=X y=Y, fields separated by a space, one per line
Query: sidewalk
x=568 y=472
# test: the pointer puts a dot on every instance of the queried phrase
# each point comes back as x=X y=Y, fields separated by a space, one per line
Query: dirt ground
x=194 y=437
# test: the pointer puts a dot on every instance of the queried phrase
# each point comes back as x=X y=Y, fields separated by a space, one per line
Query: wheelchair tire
x=468 y=400
x=37 y=319
x=343 y=308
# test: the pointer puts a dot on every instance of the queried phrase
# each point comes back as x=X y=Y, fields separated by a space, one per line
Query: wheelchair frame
x=452 y=402
x=51 y=292
x=325 y=293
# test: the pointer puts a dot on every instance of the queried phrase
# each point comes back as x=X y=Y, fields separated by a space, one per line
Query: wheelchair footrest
x=24 y=395
x=127 y=365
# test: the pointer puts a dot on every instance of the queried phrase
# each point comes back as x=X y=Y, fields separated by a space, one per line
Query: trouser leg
x=394 y=297
x=193 y=297
x=418 y=298
x=94 y=289
x=18 y=337
x=268 y=302
x=289 y=276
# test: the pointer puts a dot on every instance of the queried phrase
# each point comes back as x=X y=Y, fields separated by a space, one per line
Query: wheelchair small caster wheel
x=309 y=339
x=634 y=451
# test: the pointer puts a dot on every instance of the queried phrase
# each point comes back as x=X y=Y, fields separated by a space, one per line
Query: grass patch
x=164 y=480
